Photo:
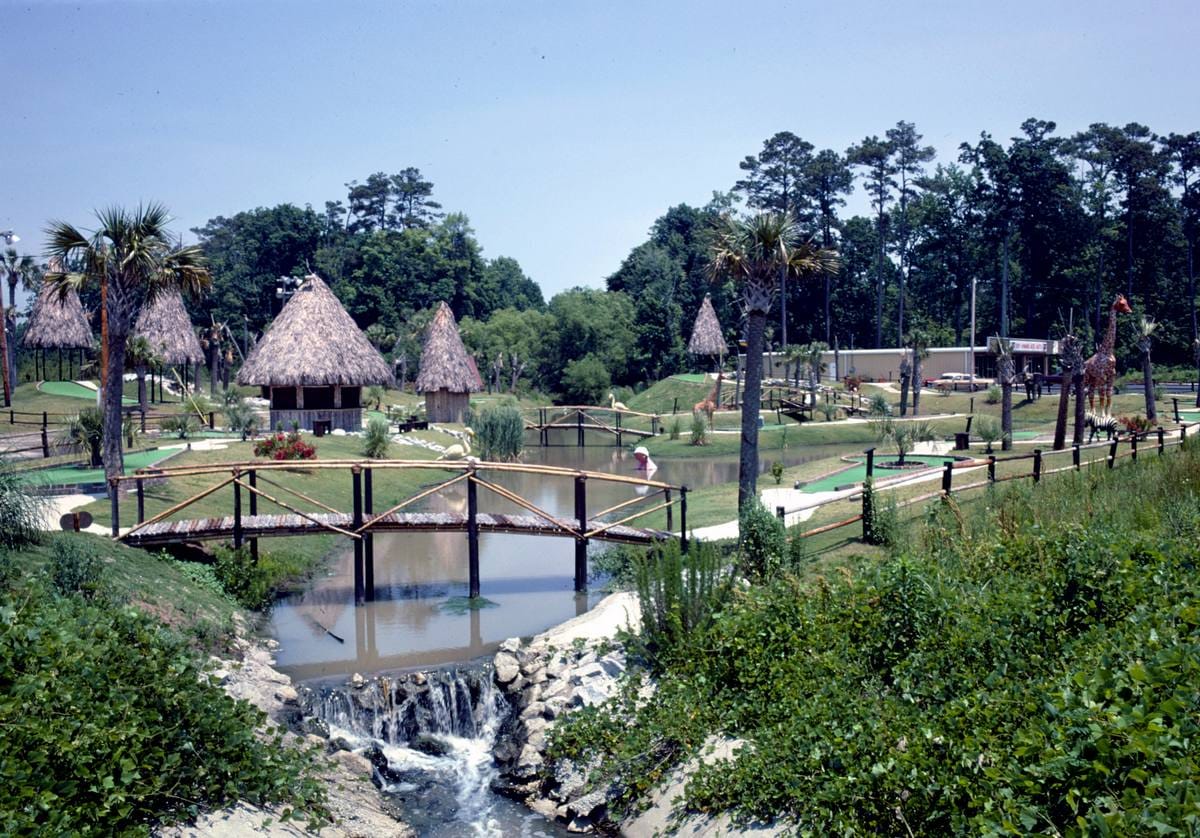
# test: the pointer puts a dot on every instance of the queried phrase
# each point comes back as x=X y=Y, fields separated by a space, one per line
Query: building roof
x=706 y=333
x=445 y=363
x=165 y=325
x=57 y=322
x=314 y=343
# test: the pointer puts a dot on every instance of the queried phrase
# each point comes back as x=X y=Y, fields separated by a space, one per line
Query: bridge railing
x=361 y=521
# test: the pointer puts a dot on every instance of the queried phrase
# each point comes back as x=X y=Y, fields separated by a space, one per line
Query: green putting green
x=857 y=473
x=692 y=377
x=68 y=475
x=74 y=390
x=1026 y=434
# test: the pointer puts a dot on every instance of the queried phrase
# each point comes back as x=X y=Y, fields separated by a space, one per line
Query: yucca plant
x=84 y=432
x=376 y=439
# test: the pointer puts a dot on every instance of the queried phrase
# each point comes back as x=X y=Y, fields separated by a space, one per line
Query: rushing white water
x=431 y=739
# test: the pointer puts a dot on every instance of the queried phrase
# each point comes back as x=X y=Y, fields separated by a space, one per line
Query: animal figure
x=1097 y=423
x=1100 y=370
x=459 y=451
x=709 y=405
x=614 y=404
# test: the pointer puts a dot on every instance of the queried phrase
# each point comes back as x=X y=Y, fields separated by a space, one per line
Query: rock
x=355 y=763
x=315 y=727
x=357 y=681
x=555 y=668
x=340 y=743
x=535 y=733
x=556 y=706
x=287 y=694
x=506 y=750
x=220 y=676
x=419 y=678
x=538 y=676
x=588 y=805
x=519 y=683
x=431 y=745
x=546 y=808
x=511 y=645
x=581 y=825
x=529 y=762
x=506 y=667
x=614 y=665
x=534 y=709
x=555 y=689
x=571 y=781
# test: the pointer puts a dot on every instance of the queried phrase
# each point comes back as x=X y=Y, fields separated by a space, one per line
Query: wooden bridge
x=581 y=418
x=362 y=522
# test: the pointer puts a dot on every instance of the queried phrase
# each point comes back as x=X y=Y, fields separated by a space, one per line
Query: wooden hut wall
x=444 y=406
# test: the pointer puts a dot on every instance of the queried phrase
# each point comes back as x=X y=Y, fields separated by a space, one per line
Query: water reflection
x=419 y=618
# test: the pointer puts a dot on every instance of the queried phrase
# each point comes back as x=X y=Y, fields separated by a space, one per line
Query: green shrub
x=762 y=541
x=377 y=438
x=110 y=728
x=586 y=381
x=500 y=431
x=240 y=415
x=987 y=428
x=879 y=406
x=203 y=575
x=679 y=593
x=84 y=432
x=76 y=569
x=777 y=472
x=674 y=429
x=993 y=395
x=242 y=579
x=699 y=429
x=182 y=424
x=20 y=509
x=829 y=410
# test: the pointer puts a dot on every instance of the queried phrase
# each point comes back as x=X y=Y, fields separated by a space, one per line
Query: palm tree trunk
x=751 y=400
x=141 y=375
x=916 y=383
x=118 y=331
x=1148 y=383
x=12 y=335
x=1060 y=423
x=7 y=379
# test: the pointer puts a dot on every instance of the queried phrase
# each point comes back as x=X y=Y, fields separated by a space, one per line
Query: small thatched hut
x=448 y=374
x=313 y=362
x=166 y=327
x=706 y=333
x=57 y=323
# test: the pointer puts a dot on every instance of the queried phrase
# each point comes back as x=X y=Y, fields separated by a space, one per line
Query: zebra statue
x=1098 y=423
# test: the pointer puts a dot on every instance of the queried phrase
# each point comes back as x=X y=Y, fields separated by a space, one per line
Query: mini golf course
x=74 y=474
x=75 y=390
x=858 y=472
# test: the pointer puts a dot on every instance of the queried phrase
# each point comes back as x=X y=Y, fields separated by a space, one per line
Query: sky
x=562 y=129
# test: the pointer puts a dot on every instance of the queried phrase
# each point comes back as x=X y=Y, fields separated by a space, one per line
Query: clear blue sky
x=563 y=129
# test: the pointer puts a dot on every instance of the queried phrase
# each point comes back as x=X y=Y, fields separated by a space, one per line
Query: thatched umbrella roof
x=445 y=364
x=165 y=325
x=314 y=343
x=706 y=334
x=57 y=323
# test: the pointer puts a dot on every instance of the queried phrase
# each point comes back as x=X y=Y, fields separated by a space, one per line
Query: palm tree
x=920 y=351
x=132 y=259
x=23 y=270
x=814 y=364
x=1145 y=330
x=754 y=253
x=1007 y=373
x=141 y=354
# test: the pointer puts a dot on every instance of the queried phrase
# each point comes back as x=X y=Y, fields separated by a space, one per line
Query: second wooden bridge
x=581 y=418
x=361 y=522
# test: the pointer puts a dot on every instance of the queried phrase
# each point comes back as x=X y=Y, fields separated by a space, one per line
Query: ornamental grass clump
x=20 y=509
x=281 y=446
x=500 y=432
x=376 y=439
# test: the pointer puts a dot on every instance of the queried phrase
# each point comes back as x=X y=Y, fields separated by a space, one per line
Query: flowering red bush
x=281 y=446
x=1136 y=424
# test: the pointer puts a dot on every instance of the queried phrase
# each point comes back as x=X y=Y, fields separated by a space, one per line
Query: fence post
x=868 y=511
x=1075 y=460
x=369 y=537
x=1112 y=453
x=991 y=468
x=1162 y=441
x=1133 y=446
x=253 y=512
x=143 y=422
x=356 y=491
x=472 y=536
x=581 y=544
x=141 y=501
x=237 y=509
x=116 y=506
x=45 y=445
x=617 y=413
x=11 y=418
x=545 y=433
x=675 y=406
x=870 y=452
x=1037 y=465
x=1175 y=402
x=683 y=536
x=781 y=514
x=579 y=427
x=654 y=431
x=211 y=421
x=947 y=478
x=1183 y=433
x=670 y=510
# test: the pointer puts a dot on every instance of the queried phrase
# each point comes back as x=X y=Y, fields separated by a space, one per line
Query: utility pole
x=972 y=367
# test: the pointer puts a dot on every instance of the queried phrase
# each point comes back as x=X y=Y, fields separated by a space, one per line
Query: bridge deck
x=571 y=426
x=266 y=526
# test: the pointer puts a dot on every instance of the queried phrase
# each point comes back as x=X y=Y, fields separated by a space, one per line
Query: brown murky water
x=420 y=577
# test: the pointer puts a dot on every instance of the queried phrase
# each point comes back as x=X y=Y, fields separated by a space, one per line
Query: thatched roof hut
x=57 y=323
x=165 y=325
x=448 y=373
x=313 y=361
x=706 y=333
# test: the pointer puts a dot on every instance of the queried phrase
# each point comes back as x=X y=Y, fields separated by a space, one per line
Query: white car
x=958 y=381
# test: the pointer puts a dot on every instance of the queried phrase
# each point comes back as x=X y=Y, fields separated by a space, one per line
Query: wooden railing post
x=472 y=536
x=368 y=537
x=45 y=444
x=870 y=452
x=253 y=511
x=141 y=501
x=581 y=544
x=683 y=533
x=947 y=478
x=1037 y=465
x=356 y=491
x=991 y=468
x=1162 y=441
x=1112 y=453
x=543 y=433
x=1133 y=446
x=116 y=506
x=237 y=510
x=655 y=430
x=211 y=421
x=1175 y=403
x=579 y=427
x=670 y=510
x=781 y=514
x=143 y=422
x=1075 y=459
x=617 y=414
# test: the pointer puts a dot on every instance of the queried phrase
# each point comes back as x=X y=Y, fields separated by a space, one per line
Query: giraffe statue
x=709 y=405
x=1100 y=370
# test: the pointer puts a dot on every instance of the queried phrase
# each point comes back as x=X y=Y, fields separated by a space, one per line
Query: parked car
x=958 y=381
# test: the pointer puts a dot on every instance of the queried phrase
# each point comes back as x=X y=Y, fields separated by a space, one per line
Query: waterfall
x=430 y=737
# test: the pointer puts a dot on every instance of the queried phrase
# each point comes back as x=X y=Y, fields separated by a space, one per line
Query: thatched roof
x=314 y=343
x=165 y=325
x=57 y=323
x=445 y=364
x=706 y=334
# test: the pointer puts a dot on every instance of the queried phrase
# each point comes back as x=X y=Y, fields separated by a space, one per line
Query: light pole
x=972 y=368
x=10 y=238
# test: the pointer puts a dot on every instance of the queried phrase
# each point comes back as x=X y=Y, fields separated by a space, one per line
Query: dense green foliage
x=109 y=725
x=377 y=438
x=585 y=381
x=20 y=511
x=1027 y=665
x=680 y=592
x=762 y=543
x=500 y=432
